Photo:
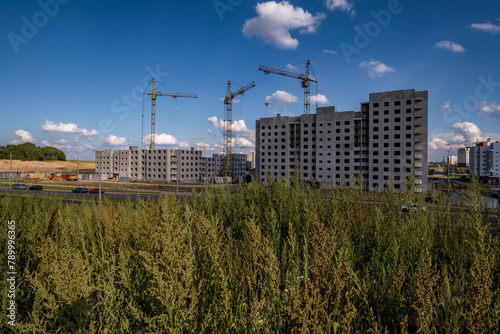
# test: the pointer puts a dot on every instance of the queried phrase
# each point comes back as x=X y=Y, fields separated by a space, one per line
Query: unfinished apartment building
x=150 y=165
x=385 y=142
x=215 y=166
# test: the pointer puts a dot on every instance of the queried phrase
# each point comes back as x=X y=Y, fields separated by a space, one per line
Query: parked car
x=19 y=186
x=80 y=190
x=36 y=187
x=412 y=207
x=96 y=191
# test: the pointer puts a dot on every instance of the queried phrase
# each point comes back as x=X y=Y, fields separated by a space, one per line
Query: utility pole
x=77 y=162
x=100 y=178
x=448 y=150
x=10 y=172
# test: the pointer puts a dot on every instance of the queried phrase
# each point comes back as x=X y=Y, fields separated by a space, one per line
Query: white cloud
x=375 y=68
x=50 y=126
x=239 y=128
x=279 y=97
x=332 y=52
x=161 y=139
x=242 y=142
x=184 y=144
x=452 y=46
x=446 y=106
x=487 y=27
x=343 y=5
x=115 y=141
x=234 y=100
x=469 y=131
x=63 y=145
x=291 y=67
x=463 y=134
x=275 y=20
x=24 y=137
x=319 y=99
x=491 y=109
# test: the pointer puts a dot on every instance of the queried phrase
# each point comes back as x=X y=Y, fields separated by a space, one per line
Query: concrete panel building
x=463 y=157
x=484 y=160
x=384 y=142
x=150 y=165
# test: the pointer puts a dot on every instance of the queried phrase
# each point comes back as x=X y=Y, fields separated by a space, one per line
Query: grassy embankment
x=263 y=260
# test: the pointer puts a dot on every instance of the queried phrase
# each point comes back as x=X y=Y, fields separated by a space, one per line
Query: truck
x=52 y=176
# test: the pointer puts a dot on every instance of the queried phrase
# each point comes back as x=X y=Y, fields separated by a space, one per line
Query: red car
x=96 y=191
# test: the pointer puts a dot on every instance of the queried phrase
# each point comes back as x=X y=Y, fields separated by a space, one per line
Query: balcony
x=418 y=181
x=418 y=165
x=418 y=173
x=419 y=130
x=419 y=122
x=418 y=156
x=418 y=148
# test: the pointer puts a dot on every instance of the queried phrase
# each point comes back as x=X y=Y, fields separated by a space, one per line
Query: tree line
x=31 y=152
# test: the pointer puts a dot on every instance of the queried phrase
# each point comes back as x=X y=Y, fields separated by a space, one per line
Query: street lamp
x=100 y=172
x=77 y=163
x=448 y=150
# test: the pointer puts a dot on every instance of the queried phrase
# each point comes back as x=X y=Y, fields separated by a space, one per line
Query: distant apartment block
x=150 y=165
x=463 y=157
x=385 y=142
x=167 y=165
x=251 y=160
x=215 y=166
x=453 y=160
x=484 y=160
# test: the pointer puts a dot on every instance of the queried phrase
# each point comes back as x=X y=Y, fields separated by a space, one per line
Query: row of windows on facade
x=305 y=125
x=348 y=130
x=154 y=176
x=346 y=183
x=346 y=138
x=387 y=103
x=338 y=161
x=345 y=169
x=396 y=112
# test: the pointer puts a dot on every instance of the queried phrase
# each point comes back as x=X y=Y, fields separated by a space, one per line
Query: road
x=110 y=195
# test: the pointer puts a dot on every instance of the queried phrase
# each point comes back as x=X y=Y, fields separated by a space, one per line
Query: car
x=412 y=207
x=19 y=186
x=96 y=191
x=36 y=187
x=80 y=190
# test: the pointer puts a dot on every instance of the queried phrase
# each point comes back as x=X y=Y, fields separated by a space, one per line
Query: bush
x=276 y=259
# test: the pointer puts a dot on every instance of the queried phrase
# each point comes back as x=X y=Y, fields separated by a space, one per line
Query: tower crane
x=306 y=81
x=154 y=94
x=228 y=102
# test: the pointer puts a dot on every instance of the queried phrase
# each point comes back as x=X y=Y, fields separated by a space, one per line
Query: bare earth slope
x=44 y=166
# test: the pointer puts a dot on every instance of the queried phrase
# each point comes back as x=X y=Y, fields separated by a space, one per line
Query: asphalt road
x=87 y=196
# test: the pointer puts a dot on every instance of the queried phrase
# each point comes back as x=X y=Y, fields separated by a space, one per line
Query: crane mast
x=228 y=102
x=154 y=94
x=306 y=81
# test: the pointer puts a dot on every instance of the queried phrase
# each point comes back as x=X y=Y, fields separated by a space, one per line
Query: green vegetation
x=31 y=152
x=276 y=259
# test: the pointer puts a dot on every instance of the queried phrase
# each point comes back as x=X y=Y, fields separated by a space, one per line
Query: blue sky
x=73 y=72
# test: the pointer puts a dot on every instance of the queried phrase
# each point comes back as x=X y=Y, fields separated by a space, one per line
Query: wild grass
x=275 y=259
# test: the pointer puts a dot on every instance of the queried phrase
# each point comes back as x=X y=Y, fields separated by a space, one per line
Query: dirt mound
x=27 y=167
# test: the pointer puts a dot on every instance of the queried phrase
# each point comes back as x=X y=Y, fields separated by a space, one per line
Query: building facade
x=463 y=157
x=385 y=142
x=167 y=165
x=484 y=160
